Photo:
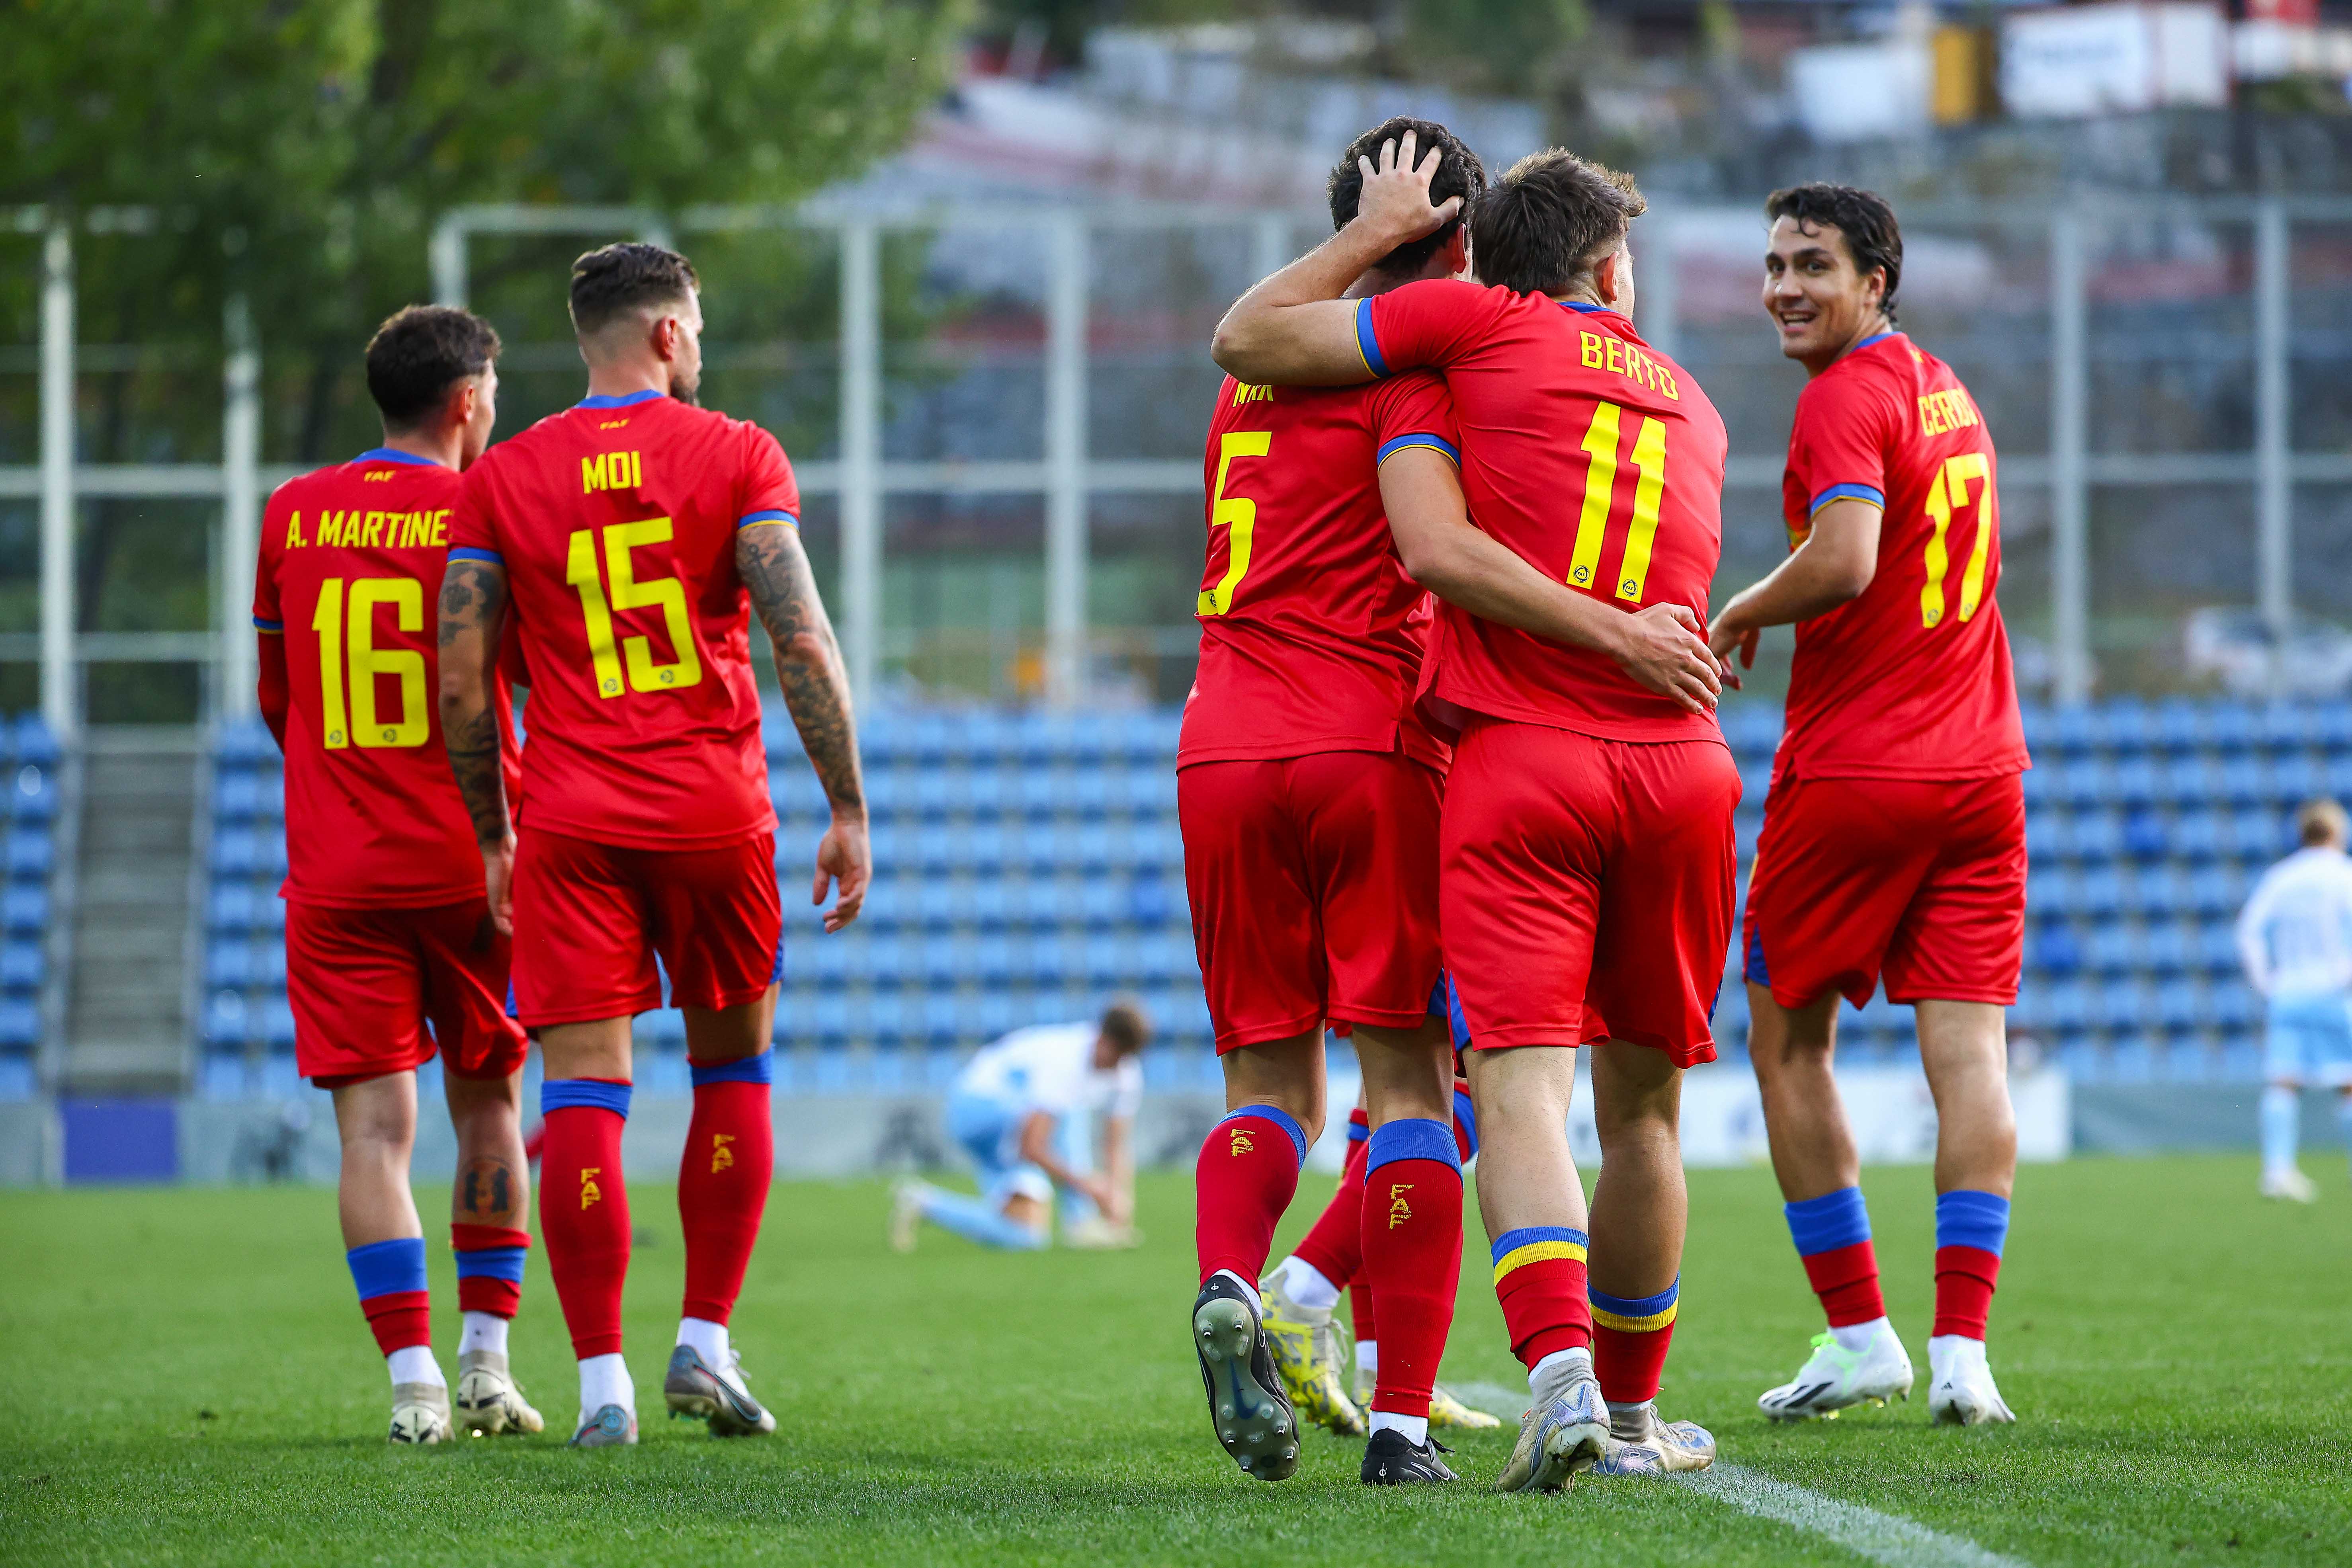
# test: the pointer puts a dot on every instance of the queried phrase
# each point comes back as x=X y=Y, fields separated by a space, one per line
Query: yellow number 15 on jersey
x=580 y=570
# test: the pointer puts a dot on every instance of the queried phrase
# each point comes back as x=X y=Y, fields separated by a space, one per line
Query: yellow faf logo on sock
x=1242 y=1145
x=721 y=1156
x=1399 y=1210
x=589 y=1191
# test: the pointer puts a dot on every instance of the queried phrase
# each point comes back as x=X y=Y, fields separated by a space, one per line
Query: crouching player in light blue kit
x=1014 y=1109
x=2295 y=937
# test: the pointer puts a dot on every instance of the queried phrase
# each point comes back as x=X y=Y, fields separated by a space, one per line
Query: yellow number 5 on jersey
x=1947 y=494
x=628 y=594
x=1238 y=515
x=348 y=640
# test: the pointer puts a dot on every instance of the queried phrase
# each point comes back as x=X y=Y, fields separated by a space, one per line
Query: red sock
x=1539 y=1280
x=400 y=1321
x=1247 y=1175
x=1335 y=1245
x=1846 y=1280
x=583 y=1207
x=1412 y=1255
x=1965 y=1278
x=1361 y=1313
x=489 y=1267
x=722 y=1180
x=1631 y=1337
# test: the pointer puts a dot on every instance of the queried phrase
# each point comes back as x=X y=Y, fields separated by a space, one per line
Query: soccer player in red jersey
x=386 y=928
x=1893 y=839
x=623 y=539
x=1587 y=878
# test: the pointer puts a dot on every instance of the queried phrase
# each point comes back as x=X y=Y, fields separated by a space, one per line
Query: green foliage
x=1506 y=47
x=190 y=1381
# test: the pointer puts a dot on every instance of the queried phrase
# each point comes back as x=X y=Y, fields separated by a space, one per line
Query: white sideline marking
x=1884 y=1538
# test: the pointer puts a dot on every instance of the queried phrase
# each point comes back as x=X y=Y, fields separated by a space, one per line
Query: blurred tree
x=296 y=153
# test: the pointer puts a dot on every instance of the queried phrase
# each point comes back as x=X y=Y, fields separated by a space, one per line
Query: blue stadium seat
x=2244 y=780
x=2074 y=731
x=2233 y=1005
x=236 y=795
x=2177 y=726
x=2167 y=947
x=2132 y=782
x=2145 y=834
x=2124 y=725
x=21 y=967
x=2286 y=727
x=2214 y=948
x=248 y=742
x=2214 y=890
x=228 y=963
x=20 y=1024
x=2296 y=778
x=24 y=908
x=2095 y=837
x=2110 y=950
x=2195 y=834
x=2052 y=949
x=35 y=797
x=2259 y=835
x=2331 y=727
x=2118 y=1006
x=2036 y=786
x=2228 y=726
x=2180 y=1004
x=30 y=854
x=2100 y=893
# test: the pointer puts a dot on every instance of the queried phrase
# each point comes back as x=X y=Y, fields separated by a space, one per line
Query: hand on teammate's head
x=1395 y=198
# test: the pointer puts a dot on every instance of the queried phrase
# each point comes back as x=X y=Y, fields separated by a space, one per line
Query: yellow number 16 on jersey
x=580 y=570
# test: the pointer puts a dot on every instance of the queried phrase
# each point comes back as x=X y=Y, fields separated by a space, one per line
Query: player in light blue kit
x=1019 y=1108
x=2295 y=939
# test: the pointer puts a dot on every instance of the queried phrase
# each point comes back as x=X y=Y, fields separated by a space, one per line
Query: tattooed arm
x=473 y=610
x=768 y=558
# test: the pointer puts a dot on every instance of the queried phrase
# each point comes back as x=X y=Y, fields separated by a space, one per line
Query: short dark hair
x=1459 y=174
x=1548 y=220
x=419 y=353
x=1862 y=218
x=616 y=279
x=1125 y=1027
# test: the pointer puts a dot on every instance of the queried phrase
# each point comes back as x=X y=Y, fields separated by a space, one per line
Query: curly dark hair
x=1548 y=220
x=1862 y=219
x=1459 y=174
x=619 y=278
x=420 y=352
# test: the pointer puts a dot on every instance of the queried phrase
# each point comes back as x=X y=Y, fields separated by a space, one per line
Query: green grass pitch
x=186 y=1378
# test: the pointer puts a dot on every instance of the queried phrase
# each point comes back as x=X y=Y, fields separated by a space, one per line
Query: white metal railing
x=1066 y=476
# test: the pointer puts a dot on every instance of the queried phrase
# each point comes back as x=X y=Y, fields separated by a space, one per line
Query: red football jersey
x=1310 y=631
x=615 y=520
x=350 y=567
x=1912 y=680
x=1596 y=458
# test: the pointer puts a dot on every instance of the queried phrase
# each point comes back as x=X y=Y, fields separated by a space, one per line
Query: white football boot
x=1835 y=1378
x=716 y=1394
x=488 y=1399
x=420 y=1412
x=1638 y=1443
x=1961 y=1391
x=2290 y=1184
x=1558 y=1440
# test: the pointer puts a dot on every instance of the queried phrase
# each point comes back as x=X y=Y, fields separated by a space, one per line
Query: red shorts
x=363 y=984
x=1314 y=889
x=589 y=918
x=1586 y=888
x=1920 y=880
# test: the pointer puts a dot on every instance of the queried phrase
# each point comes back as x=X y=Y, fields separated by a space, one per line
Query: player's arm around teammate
x=1894 y=837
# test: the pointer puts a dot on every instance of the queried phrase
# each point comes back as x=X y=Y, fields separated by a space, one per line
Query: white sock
x=604 y=1380
x=1414 y=1427
x=1368 y=1357
x=1305 y=1283
x=414 y=1363
x=708 y=1338
x=483 y=1332
x=1248 y=1287
x=1854 y=1338
x=1550 y=1378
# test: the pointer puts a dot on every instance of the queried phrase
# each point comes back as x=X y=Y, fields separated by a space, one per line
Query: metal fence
x=2170 y=383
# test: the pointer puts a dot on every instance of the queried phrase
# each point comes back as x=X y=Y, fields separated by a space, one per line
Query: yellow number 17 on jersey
x=1947 y=495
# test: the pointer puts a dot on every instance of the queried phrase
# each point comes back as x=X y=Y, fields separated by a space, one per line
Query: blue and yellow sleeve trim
x=773 y=514
x=261 y=625
x=1367 y=342
x=1418 y=438
x=1536 y=1244
x=468 y=552
x=1870 y=493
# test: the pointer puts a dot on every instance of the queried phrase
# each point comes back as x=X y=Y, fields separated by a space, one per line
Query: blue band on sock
x=760 y=1069
x=492 y=1263
x=1510 y=1241
x=1357 y=1131
x=1966 y=1218
x=1280 y=1118
x=388 y=1267
x=574 y=1093
x=1412 y=1138
x=1828 y=1222
x=1636 y=1306
x=1465 y=1117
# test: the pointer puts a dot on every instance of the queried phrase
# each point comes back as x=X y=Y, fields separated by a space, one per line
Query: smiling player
x=1893 y=839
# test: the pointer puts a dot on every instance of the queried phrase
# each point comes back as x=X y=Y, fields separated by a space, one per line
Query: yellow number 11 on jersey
x=1601 y=441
